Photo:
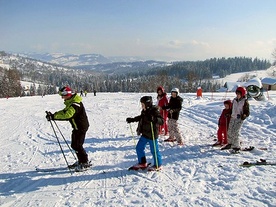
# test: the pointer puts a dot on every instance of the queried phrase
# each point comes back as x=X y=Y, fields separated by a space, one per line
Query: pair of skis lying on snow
x=250 y=148
x=261 y=162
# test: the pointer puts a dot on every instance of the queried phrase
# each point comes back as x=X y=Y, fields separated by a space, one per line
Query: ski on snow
x=232 y=151
x=246 y=149
x=54 y=169
x=250 y=148
x=139 y=169
x=261 y=162
x=60 y=169
x=51 y=169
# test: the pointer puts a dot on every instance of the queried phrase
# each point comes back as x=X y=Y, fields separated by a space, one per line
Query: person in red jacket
x=162 y=100
x=223 y=124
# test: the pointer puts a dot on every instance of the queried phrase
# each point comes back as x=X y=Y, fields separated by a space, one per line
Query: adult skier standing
x=74 y=112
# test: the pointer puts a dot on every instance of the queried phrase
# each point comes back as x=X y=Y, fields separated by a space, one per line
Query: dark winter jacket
x=144 y=126
x=74 y=112
x=174 y=106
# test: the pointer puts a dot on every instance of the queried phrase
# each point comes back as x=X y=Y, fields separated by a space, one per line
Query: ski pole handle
x=49 y=116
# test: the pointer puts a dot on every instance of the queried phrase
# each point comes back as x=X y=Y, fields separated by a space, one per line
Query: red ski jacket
x=225 y=117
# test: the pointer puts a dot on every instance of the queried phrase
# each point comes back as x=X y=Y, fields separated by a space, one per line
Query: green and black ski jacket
x=74 y=112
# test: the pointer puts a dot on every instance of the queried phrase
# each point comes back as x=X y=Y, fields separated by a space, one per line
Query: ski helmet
x=65 y=91
x=176 y=90
x=241 y=90
x=147 y=100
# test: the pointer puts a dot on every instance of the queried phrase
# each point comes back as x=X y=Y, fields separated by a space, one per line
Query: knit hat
x=65 y=91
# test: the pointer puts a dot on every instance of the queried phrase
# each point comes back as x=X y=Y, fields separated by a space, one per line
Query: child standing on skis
x=240 y=111
x=149 y=121
x=74 y=112
x=162 y=100
x=174 y=107
x=223 y=124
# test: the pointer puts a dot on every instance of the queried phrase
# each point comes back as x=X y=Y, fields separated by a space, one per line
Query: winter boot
x=139 y=166
x=86 y=165
x=217 y=144
x=225 y=147
x=170 y=139
x=82 y=166
x=235 y=150
x=73 y=165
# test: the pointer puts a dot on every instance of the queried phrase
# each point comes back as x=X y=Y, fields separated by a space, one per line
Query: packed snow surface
x=193 y=175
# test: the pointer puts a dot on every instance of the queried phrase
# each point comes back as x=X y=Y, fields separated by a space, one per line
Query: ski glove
x=151 y=118
x=129 y=120
x=49 y=116
x=243 y=117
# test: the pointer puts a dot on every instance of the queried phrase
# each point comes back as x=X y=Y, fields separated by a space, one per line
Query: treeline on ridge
x=186 y=75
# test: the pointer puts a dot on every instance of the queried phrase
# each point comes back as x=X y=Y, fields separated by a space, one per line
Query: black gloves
x=129 y=120
x=49 y=116
x=149 y=117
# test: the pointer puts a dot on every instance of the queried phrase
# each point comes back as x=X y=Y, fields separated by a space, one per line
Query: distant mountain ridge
x=69 y=60
x=75 y=60
x=97 y=62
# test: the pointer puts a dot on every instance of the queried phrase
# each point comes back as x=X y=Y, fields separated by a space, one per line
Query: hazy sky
x=157 y=29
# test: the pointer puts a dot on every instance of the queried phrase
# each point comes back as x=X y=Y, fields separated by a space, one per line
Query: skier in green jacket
x=74 y=112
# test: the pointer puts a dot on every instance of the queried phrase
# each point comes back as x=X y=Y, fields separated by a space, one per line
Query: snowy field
x=193 y=175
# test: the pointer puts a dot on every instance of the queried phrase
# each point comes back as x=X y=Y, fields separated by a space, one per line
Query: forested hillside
x=186 y=75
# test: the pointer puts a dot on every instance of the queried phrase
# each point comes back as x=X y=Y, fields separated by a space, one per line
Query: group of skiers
x=154 y=120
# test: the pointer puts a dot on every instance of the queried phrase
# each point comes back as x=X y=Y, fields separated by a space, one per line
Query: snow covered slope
x=192 y=175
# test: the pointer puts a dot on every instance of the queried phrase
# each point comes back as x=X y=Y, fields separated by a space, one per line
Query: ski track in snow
x=193 y=175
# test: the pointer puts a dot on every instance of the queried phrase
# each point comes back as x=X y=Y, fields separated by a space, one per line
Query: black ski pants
x=78 y=138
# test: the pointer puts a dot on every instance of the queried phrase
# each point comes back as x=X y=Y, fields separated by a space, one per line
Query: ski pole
x=65 y=140
x=59 y=143
x=154 y=147
x=226 y=133
x=132 y=134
